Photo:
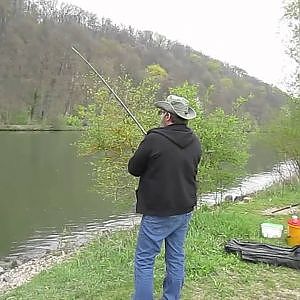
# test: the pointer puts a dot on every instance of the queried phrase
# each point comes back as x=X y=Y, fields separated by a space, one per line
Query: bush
x=112 y=131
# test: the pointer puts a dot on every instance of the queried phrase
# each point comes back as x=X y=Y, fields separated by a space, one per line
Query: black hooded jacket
x=166 y=162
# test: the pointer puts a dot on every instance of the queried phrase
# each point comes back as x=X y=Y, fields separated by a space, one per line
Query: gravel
x=24 y=273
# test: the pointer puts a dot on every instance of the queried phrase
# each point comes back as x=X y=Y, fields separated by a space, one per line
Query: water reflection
x=76 y=235
x=254 y=183
x=44 y=185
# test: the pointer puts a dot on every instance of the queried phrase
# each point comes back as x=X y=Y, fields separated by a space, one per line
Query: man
x=166 y=162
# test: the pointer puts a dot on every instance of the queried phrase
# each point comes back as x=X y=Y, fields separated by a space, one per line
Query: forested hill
x=41 y=78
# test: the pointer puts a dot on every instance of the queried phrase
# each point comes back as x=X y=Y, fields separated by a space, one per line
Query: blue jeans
x=153 y=231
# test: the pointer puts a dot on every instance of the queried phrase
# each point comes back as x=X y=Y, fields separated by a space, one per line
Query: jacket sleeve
x=137 y=164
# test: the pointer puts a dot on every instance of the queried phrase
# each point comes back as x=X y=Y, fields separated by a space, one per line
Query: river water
x=46 y=196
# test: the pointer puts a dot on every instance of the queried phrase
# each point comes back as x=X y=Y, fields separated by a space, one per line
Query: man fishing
x=166 y=162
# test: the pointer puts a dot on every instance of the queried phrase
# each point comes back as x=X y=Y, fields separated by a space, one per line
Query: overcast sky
x=244 y=33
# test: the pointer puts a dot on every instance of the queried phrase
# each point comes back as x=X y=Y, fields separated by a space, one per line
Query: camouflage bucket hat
x=177 y=105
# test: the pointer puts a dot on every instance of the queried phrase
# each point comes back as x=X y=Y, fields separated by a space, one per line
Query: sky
x=244 y=33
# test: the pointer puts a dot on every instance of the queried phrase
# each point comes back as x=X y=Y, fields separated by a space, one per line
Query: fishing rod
x=111 y=90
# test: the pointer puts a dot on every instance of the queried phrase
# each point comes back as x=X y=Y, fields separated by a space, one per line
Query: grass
x=104 y=269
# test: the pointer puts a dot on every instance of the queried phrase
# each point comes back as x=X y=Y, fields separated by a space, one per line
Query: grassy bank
x=104 y=269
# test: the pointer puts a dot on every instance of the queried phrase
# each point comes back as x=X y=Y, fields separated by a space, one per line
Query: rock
x=238 y=198
x=1 y=270
x=26 y=259
x=247 y=199
x=243 y=198
x=15 y=277
x=5 y=264
x=228 y=198
x=16 y=263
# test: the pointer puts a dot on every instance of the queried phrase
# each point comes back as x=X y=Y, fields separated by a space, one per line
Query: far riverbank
x=39 y=128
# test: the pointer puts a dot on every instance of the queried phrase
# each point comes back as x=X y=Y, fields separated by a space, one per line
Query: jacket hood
x=180 y=135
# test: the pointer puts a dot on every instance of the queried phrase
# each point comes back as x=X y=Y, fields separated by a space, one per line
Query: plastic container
x=293 y=238
x=270 y=230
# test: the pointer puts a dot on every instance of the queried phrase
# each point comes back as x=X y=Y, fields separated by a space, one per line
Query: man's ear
x=168 y=116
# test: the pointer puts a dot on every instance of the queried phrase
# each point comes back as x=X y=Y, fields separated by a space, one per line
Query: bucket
x=270 y=230
x=293 y=238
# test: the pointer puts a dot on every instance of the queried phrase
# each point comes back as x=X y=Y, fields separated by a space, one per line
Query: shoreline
x=23 y=273
x=19 y=275
x=108 y=257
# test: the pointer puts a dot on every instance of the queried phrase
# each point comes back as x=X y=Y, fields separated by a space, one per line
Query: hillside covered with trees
x=41 y=79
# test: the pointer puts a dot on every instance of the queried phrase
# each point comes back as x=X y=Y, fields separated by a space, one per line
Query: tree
x=284 y=135
x=292 y=16
x=113 y=134
x=224 y=138
x=41 y=77
x=283 y=132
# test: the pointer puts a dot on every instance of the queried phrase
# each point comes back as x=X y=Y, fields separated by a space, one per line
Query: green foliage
x=284 y=134
x=156 y=71
x=188 y=91
x=225 y=143
x=52 y=85
x=112 y=132
x=238 y=103
x=74 y=120
x=57 y=122
x=19 y=118
x=292 y=16
x=224 y=139
x=214 y=65
x=283 y=131
x=227 y=83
